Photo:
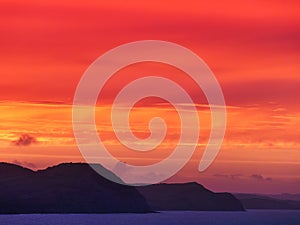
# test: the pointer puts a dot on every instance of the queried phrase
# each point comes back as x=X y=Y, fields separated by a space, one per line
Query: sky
x=252 y=47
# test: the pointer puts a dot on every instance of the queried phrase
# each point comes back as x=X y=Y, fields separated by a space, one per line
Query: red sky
x=251 y=46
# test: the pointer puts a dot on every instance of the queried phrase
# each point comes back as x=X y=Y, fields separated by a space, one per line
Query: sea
x=251 y=217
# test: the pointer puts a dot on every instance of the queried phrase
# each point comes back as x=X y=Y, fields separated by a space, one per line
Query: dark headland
x=77 y=188
x=188 y=196
x=66 y=188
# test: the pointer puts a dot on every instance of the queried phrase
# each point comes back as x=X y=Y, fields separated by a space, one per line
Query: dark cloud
x=260 y=177
x=25 y=140
x=257 y=176
x=231 y=176
x=51 y=102
x=237 y=176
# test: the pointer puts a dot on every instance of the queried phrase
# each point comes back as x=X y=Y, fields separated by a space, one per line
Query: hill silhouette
x=77 y=188
x=188 y=196
x=66 y=188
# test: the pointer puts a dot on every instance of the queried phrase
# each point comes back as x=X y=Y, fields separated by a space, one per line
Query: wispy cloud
x=230 y=176
x=260 y=177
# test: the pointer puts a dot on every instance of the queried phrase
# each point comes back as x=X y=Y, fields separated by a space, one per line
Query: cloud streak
x=260 y=177
x=257 y=177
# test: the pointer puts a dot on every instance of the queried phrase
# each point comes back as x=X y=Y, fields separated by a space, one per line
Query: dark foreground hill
x=188 y=196
x=77 y=188
x=66 y=188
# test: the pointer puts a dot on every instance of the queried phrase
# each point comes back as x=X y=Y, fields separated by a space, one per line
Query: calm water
x=257 y=217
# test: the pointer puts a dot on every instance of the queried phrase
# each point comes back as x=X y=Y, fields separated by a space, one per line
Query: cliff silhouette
x=77 y=188
x=66 y=188
x=188 y=196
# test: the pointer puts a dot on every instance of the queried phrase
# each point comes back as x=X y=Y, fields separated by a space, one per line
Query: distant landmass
x=188 y=196
x=282 y=201
x=286 y=196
